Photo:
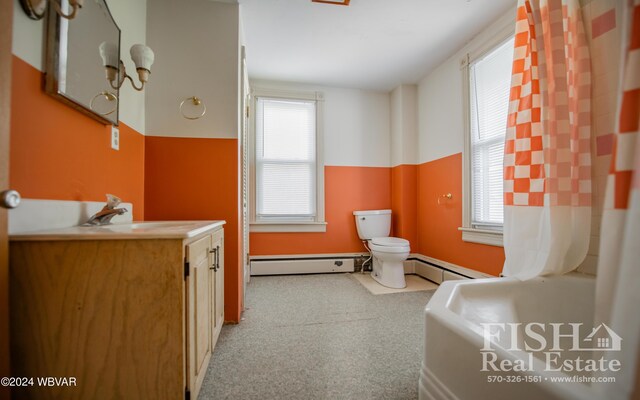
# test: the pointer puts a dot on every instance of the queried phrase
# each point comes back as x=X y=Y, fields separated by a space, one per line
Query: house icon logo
x=602 y=338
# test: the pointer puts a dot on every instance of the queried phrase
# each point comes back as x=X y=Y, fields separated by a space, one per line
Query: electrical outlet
x=115 y=138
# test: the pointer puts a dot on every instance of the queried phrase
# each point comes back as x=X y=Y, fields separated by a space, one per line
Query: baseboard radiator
x=435 y=273
x=439 y=271
x=290 y=266
x=430 y=268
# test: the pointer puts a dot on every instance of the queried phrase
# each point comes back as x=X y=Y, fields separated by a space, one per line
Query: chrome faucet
x=104 y=216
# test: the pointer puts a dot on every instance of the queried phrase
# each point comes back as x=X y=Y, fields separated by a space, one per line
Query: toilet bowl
x=388 y=253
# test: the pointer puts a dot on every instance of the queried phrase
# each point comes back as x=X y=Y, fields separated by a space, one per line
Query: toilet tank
x=373 y=223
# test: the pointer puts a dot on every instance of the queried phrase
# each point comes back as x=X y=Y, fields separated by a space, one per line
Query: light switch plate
x=115 y=138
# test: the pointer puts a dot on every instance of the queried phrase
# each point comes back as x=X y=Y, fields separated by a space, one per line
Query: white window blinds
x=285 y=159
x=490 y=81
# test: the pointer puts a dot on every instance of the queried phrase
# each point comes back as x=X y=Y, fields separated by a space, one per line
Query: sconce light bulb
x=142 y=56
x=109 y=54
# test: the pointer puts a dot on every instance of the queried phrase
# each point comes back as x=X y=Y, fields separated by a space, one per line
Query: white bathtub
x=453 y=361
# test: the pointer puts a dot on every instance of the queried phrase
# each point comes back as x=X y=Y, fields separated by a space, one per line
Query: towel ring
x=447 y=196
x=109 y=97
x=196 y=102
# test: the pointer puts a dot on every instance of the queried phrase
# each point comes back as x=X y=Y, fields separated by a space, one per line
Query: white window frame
x=493 y=237
x=287 y=224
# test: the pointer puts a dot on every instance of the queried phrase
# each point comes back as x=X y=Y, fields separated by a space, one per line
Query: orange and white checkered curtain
x=618 y=280
x=547 y=164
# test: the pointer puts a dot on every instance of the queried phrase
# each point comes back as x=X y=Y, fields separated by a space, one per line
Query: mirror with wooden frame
x=74 y=68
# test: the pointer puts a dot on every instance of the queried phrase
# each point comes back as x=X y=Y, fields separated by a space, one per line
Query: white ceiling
x=371 y=44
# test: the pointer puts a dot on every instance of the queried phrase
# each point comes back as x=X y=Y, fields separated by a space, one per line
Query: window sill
x=288 y=226
x=483 y=236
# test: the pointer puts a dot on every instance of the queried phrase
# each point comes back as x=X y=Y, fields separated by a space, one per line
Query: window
x=285 y=159
x=288 y=167
x=488 y=80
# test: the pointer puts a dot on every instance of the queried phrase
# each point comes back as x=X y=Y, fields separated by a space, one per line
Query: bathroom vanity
x=129 y=311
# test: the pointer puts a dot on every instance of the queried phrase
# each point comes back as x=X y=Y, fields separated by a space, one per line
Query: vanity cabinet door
x=200 y=313
x=217 y=296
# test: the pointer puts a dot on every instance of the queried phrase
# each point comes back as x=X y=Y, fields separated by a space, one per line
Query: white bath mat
x=414 y=283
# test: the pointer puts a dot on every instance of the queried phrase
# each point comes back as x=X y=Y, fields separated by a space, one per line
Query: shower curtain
x=547 y=164
x=618 y=279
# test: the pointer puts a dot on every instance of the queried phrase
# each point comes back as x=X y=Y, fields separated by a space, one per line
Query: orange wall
x=191 y=179
x=438 y=234
x=59 y=153
x=404 y=202
x=346 y=189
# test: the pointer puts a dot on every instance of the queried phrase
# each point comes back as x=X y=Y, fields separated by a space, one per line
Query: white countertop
x=130 y=230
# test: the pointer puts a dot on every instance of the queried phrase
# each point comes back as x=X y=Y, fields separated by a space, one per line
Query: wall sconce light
x=142 y=57
x=35 y=9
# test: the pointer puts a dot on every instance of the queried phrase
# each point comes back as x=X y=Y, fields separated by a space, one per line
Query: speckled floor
x=319 y=337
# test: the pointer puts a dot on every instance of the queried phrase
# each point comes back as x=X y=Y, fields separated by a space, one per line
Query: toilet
x=388 y=253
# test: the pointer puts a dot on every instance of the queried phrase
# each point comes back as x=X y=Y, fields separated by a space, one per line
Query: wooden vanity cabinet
x=127 y=318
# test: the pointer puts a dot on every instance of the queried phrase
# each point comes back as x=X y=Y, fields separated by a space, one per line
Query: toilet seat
x=389 y=249
x=389 y=241
x=389 y=245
